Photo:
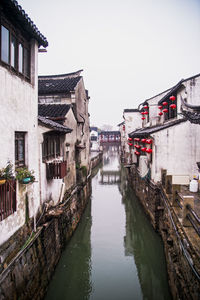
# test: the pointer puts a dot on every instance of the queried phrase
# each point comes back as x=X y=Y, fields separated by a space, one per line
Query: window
x=172 y=112
x=50 y=147
x=5 y=53
x=19 y=149
x=15 y=50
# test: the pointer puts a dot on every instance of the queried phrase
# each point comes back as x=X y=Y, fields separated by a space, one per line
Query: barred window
x=50 y=147
x=19 y=149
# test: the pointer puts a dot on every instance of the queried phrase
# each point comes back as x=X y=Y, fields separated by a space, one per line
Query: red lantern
x=143 y=118
x=165 y=110
x=149 y=141
x=149 y=150
x=146 y=113
x=160 y=113
x=172 y=98
x=137 y=146
x=165 y=103
x=143 y=140
x=173 y=106
x=160 y=107
x=136 y=139
x=145 y=107
x=143 y=113
x=143 y=149
x=124 y=127
x=130 y=144
x=130 y=139
x=137 y=153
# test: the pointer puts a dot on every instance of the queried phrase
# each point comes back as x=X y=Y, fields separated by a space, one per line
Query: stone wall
x=96 y=160
x=183 y=259
x=28 y=274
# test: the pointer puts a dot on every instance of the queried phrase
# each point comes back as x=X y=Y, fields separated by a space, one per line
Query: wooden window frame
x=19 y=136
x=20 y=39
x=51 y=147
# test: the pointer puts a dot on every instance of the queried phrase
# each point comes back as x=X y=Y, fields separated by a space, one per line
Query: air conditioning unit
x=143 y=166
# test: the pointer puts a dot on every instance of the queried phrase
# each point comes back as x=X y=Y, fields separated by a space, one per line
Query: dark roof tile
x=53 y=110
x=149 y=130
x=53 y=125
x=57 y=86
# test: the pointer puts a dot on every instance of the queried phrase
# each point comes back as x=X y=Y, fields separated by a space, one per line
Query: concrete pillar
x=187 y=200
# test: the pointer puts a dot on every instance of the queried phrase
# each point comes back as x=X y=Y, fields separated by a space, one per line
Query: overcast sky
x=130 y=50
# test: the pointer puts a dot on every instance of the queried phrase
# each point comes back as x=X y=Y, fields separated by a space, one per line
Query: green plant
x=23 y=172
x=84 y=170
x=7 y=172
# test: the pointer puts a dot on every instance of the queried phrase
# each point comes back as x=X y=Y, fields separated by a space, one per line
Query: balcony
x=8 y=203
x=56 y=170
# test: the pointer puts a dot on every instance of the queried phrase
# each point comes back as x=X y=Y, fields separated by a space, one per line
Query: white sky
x=130 y=50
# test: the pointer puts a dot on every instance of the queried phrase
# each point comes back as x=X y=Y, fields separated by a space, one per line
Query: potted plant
x=24 y=176
x=6 y=173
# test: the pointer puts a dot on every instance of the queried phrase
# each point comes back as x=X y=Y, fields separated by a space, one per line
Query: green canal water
x=114 y=253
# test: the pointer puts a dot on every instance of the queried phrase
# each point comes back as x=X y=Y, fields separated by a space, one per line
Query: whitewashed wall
x=18 y=112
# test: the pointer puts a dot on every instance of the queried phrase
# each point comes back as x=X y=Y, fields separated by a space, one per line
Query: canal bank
x=180 y=240
x=28 y=269
x=114 y=253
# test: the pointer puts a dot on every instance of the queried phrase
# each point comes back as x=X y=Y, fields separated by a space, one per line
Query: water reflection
x=72 y=279
x=114 y=253
x=145 y=247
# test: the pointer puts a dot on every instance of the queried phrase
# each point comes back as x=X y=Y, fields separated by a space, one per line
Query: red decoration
x=146 y=113
x=165 y=110
x=137 y=153
x=137 y=146
x=136 y=139
x=149 y=150
x=130 y=139
x=143 y=118
x=160 y=107
x=145 y=107
x=165 y=103
x=172 y=98
x=143 y=140
x=130 y=144
x=173 y=106
x=143 y=113
x=160 y=113
x=149 y=141
x=143 y=149
x=124 y=127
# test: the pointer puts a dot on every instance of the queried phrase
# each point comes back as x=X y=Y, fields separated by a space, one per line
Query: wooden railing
x=8 y=203
x=56 y=170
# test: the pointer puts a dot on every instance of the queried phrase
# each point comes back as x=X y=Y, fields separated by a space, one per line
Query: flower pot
x=26 y=180
x=2 y=181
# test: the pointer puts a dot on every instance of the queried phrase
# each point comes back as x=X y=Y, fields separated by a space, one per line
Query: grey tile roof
x=53 y=125
x=193 y=117
x=131 y=110
x=53 y=110
x=145 y=132
x=12 y=8
x=110 y=132
x=49 y=86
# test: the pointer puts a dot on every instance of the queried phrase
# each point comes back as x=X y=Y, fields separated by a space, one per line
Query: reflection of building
x=110 y=177
x=144 y=245
x=111 y=137
x=94 y=139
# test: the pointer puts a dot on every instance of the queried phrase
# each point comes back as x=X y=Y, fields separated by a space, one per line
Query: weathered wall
x=18 y=112
x=183 y=282
x=28 y=274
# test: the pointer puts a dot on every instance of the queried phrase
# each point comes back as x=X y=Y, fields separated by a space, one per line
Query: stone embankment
x=181 y=240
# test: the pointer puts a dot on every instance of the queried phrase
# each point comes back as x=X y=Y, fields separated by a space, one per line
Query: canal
x=114 y=254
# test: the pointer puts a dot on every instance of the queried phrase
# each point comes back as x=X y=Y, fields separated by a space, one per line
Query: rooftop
x=53 y=125
x=12 y=8
x=53 y=110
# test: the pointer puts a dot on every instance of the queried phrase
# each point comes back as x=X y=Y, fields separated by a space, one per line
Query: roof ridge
x=60 y=75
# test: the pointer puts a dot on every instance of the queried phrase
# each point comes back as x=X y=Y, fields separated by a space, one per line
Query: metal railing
x=8 y=202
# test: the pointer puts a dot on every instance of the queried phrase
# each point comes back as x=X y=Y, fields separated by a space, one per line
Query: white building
x=174 y=140
x=19 y=43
